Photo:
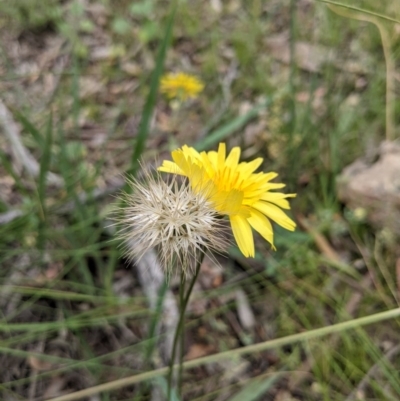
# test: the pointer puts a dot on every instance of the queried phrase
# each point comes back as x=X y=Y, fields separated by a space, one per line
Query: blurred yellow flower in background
x=181 y=86
x=235 y=190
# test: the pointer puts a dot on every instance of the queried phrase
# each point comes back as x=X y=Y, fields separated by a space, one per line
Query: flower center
x=227 y=196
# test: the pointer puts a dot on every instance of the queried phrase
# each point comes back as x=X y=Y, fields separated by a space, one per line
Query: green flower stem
x=181 y=333
x=260 y=347
x=179 y=328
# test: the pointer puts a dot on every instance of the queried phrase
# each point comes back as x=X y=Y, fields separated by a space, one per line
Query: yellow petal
x=213 y=157
x=270 y=176
x=259 y=188
x=243 y=235
x=228 y=202
x=276 y=214
x=246 y=169
x=196 y=177
x=208 y=166
x=181 y=161
x=272 y=185
x=192 y=152
x=262 y=225
x=221 y=155
x=170 y=167
x=233 y=158
x=277 y=198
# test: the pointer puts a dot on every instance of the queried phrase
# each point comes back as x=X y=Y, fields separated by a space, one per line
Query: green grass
x=68 y=298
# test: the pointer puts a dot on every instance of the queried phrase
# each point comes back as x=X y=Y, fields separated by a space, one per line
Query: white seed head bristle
x=169 y=216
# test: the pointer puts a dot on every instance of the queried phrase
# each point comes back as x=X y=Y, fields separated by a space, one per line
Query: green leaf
x=143 y=8
x=255 y=388
x=121 y=26
x=148 y=32
x=229 y=128
x=28 y=126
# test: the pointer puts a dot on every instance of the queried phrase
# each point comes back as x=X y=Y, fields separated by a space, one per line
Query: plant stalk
x=179 y=328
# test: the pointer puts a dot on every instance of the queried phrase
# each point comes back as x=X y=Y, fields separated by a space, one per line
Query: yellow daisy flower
x=235 y=190
x=180 y=86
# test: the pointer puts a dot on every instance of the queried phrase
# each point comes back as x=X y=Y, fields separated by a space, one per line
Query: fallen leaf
x=312 y=57
x=245 y=313
x=198 y=350
x=39 y=364
x=55 y=387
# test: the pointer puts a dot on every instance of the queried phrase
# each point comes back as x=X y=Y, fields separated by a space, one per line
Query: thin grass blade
x=44 y=168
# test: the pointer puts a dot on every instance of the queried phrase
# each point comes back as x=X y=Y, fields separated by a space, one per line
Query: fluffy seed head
x=171 y=217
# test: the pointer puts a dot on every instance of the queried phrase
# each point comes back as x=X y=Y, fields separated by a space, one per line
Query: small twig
x=11 y=130
x=21 y=155
x=10 y=216
x=320 y=241
x=152 y=279
x=34 y=373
